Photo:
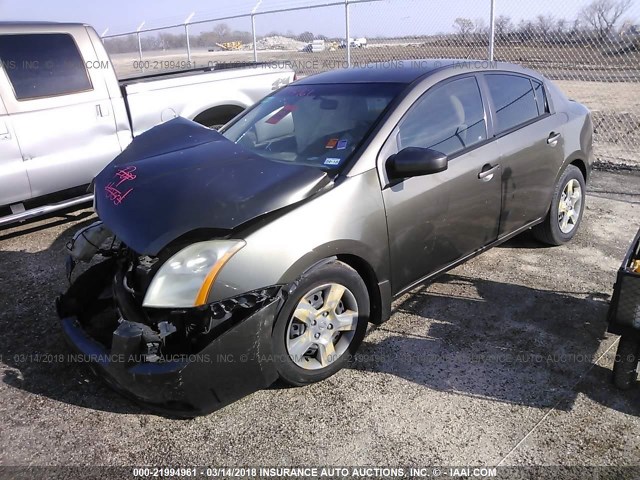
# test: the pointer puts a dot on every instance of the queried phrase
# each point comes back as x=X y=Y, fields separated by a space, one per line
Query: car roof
x=405 y=71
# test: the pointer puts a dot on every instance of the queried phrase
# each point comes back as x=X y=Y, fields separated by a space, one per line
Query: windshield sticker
x=332 y=143
x=280 y=114
x=342 y=144
x=332 y=161
x=113 y=190
x=377 y=104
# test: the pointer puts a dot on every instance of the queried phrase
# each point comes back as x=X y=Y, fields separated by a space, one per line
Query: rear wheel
x=321 y=325
x=567 y=207
x=625 y=368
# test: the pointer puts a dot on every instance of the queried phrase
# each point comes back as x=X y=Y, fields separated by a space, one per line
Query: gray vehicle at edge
x=458 y=160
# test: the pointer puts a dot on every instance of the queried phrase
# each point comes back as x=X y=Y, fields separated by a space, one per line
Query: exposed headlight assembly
x=185 y=279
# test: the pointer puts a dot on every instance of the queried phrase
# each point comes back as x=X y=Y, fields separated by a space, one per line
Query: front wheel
x=321 y=325
x=567 y=207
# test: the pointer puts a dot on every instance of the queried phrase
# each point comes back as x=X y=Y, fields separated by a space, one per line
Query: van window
x=513 y=99
x=43 y=65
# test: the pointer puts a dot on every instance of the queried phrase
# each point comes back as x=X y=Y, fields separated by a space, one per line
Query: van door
x=60 y=109
x=14 y=183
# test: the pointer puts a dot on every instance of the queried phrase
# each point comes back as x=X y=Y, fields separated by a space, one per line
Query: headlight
x=185 y=279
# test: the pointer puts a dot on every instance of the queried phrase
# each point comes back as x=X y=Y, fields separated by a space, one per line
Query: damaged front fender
x=235 y=363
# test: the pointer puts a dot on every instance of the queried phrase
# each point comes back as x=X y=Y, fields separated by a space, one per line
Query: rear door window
x=43 y=65
x=514 y=100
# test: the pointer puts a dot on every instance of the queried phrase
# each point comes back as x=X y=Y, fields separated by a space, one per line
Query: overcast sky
x=384 y=17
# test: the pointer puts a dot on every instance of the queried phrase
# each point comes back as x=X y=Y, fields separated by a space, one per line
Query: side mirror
x=414 y=161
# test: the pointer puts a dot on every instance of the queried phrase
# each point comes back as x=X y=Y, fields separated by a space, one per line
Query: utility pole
x=186 y=31
x=492 y=29
x=253 y=30
x=140 y=44
x=347 y=33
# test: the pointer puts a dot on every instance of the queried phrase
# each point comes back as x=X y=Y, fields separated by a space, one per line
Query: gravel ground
x=503 y=361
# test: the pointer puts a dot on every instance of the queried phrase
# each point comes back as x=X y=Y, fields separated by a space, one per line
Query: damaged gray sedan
x=232 y=259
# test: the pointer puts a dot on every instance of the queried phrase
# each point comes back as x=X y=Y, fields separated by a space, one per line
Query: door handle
x=102 y=110
x=488 y=172
x=553 y=139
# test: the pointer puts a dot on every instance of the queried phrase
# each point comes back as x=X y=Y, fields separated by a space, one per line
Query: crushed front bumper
x=233 y=365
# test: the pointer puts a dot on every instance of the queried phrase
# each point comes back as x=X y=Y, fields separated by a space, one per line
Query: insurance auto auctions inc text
x=375 y=472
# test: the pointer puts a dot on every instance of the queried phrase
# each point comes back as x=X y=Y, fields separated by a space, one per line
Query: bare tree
x=545 y=23
x=305 y=37
x=221 y=32
x=576 y=28
x=602 y=15
x=561 y=25
x=464 y=26
x=480 y=26
x=526 y=30
x=503 y=26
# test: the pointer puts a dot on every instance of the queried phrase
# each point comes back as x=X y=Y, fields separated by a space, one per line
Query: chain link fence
x=591 y=48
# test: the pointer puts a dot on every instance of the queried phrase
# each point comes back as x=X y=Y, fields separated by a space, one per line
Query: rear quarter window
x=514 y=100
x=43 y=65
x=541 y=97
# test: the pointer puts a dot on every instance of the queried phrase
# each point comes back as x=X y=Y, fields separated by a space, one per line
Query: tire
x=552 y=231
x=625 y=368
x=301 y=334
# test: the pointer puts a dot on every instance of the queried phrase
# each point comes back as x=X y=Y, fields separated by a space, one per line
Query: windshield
x=319 y=125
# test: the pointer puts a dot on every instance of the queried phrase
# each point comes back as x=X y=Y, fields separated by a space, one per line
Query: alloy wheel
x=322 y=326
x=570 y=206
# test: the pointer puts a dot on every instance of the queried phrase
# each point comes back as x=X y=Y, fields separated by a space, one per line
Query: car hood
x=180 y=176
